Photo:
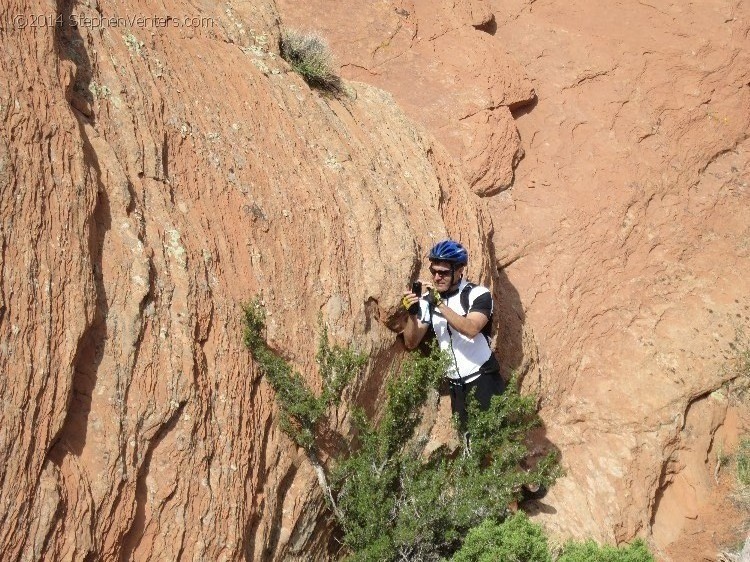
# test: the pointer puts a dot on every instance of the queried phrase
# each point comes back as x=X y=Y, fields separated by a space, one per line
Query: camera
x=416 y=288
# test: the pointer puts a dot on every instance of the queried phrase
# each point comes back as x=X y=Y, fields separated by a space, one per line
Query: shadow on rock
x=517 y=354
x=535 y=507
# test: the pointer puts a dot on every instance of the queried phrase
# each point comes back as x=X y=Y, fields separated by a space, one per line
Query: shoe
x=533 y=492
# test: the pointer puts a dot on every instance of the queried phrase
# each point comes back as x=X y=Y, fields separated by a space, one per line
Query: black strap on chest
x=464 y=297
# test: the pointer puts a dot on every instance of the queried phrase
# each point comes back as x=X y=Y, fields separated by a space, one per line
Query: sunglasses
x=440 y=272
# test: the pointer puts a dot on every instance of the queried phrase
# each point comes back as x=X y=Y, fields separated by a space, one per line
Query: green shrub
x=397 y=505
x=309 y=55
x=589 y=551
x=377 y=485
x=743 y=462
x=391 y=502
x=515 y=539
x=300 y=411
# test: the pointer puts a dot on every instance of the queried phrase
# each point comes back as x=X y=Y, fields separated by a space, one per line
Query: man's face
x=441 y=275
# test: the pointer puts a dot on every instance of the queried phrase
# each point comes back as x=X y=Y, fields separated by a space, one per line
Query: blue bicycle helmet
x=449 y=251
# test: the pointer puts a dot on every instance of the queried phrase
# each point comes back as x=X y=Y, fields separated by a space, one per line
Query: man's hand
x=433 y=298
x=408 y=300
x=469 y=325
x=414 y=330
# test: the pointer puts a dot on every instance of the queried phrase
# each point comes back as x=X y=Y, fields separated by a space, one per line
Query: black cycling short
x=485 y=387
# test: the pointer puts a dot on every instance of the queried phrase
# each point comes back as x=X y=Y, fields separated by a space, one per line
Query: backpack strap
x=464 y=298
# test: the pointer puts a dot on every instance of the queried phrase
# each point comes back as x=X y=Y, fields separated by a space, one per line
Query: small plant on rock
x=309 y=56
x=589 y=551
x=516 y=538
x=741 y=495
x=743 y=462
x=301 y=411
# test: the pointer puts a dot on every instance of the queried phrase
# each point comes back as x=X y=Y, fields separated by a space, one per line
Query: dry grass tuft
x=309 y=56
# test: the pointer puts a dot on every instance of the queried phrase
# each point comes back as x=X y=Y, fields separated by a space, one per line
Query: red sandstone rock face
x=152 y=180
x=626 y=236
x=443 y=66
x=623 y=241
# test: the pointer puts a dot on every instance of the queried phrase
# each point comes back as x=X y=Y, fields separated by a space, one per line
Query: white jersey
x=471 y=357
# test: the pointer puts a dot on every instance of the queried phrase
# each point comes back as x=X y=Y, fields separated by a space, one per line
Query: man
x=460 y=314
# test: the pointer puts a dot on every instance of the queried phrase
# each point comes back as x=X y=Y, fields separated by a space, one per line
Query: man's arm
x=469 y=325
x=415 y=329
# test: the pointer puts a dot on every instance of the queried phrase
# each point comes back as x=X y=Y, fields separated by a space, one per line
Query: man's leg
x=487 y=386
x=458 y=403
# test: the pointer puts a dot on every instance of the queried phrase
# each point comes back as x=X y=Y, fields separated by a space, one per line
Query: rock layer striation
x=154 y=177
x=622 y=241
x=160 y=166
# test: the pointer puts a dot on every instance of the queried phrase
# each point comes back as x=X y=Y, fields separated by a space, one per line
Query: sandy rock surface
x=624 y=241
x=153 y=178
x=156 y=173
x=627 y=237
x=442 y=64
